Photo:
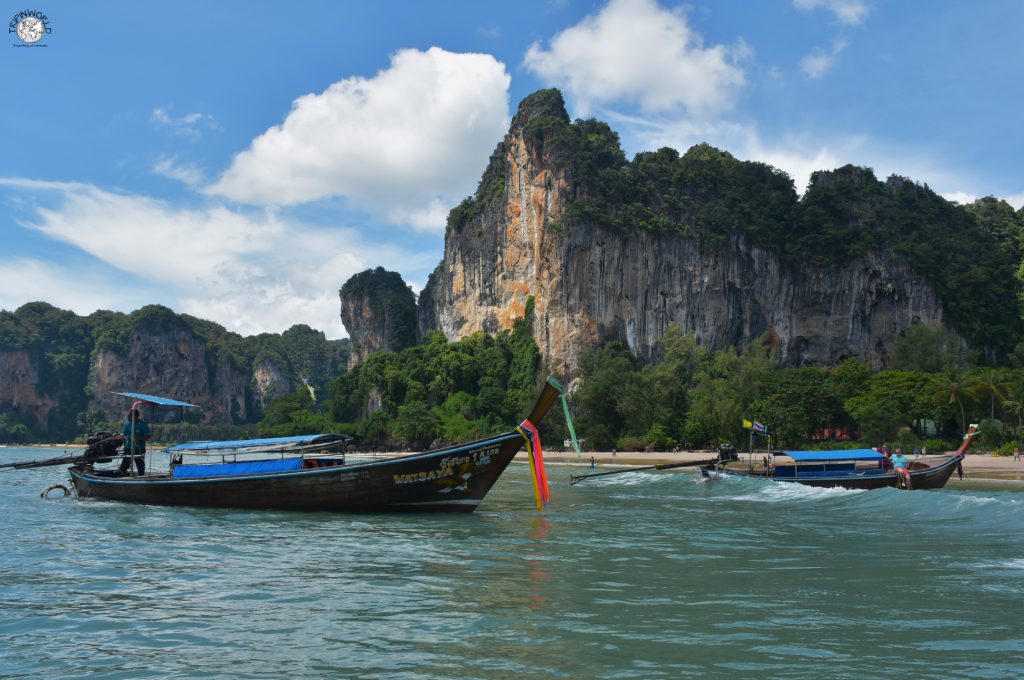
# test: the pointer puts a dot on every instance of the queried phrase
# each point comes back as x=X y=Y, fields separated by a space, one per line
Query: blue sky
x=239 y=161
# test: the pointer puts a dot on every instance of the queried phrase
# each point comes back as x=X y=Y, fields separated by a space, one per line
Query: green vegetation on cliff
x=390 y=303
x=433 y=392
x=61 y=347
x=970 y=254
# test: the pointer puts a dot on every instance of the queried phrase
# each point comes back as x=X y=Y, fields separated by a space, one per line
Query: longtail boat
x=283 y=475
x=849 y=469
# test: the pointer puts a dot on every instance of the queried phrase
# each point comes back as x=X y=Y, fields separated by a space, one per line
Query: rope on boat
x=55 y=487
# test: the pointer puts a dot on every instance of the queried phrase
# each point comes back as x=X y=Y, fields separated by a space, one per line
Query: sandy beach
x=976 y=465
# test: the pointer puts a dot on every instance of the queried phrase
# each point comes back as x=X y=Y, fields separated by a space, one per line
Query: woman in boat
x=135 y=432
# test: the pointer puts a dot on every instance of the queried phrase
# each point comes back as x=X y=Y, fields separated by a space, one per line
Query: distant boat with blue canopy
x=310 y=472
x=850 y=468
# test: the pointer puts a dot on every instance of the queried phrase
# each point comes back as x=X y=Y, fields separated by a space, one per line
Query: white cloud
x=638 y=52
x=191 y=125
x=819 y=62
x=961 y=197
x=800 y=155
x=965 y=197
x=189 y=174
x=849 y=12
x=416 y=134
x=250 y=272
x=1016 y=200
x=796 y=155
x=29 y=280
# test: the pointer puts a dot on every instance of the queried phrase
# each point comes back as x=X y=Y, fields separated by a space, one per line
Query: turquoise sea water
x=645 y=575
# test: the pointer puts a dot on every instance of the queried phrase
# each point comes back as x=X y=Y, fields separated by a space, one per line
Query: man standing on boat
x=135 y=432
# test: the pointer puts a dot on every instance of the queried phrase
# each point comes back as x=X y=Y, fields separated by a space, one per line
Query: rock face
x=19 y=386
x=379 y=313
x=168 y=358
x=57 y=368
x=591 y=284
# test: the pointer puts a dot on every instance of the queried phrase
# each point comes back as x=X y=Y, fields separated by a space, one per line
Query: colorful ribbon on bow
x=536 y=453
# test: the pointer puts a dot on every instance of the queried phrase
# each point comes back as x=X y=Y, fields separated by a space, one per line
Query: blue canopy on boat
x=162 y=401
x=825 y=456
x=194 y=447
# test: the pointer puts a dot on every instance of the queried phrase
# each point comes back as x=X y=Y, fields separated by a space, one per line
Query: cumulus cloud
x=638 y=52
x=849 y=12
x=414 y=136
x=819 y=62
x=250 y=271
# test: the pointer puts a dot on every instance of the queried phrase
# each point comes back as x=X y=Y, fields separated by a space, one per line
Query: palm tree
x=956 y=385
x=1013 y=404
x=991 y=383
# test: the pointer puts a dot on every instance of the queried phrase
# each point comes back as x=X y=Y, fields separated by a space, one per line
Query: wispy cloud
x=189 y=174
x=253 y=271
x=848 y=12
x=636 y=51
x=819 y=62
x=191 y=125
x=414 y=136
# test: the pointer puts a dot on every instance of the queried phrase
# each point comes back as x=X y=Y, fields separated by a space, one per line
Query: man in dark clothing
x=135 y=432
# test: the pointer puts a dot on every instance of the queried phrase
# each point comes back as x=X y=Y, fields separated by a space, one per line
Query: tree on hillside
x=957 y=386
x=990 y=383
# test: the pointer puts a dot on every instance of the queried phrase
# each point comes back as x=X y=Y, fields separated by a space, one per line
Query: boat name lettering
x=447 y=469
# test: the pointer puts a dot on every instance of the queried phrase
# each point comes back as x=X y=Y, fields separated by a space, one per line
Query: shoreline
x=977 y=466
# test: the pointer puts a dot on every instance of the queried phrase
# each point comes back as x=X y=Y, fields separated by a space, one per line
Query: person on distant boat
x=887 y=457
x=135 y=432
x=901 y=466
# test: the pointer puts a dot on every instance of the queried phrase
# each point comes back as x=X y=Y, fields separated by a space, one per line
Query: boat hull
x=453 y=479
x=931 y=477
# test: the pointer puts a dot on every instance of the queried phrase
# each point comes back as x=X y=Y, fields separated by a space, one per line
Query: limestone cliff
x=57 y=369
x=166 y=357
x=523 y=235
x=379 y=313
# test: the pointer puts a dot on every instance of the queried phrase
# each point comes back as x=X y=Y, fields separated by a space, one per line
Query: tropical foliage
x=693 y=398
x=62 y=347
x=434 y=392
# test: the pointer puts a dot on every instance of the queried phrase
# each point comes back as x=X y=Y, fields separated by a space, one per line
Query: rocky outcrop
x=379 y=313
x=591 y=284
x=58 y=369
x=19 y=383
x=167 y=358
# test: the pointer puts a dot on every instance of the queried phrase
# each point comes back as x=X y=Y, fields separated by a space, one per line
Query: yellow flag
x=747 y=424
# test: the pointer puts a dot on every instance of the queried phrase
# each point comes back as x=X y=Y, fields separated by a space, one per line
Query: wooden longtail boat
x=450 y=479
x=852 y=469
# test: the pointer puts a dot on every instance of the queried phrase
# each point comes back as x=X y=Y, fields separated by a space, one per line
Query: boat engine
x=102 y=447
x=727 y=452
